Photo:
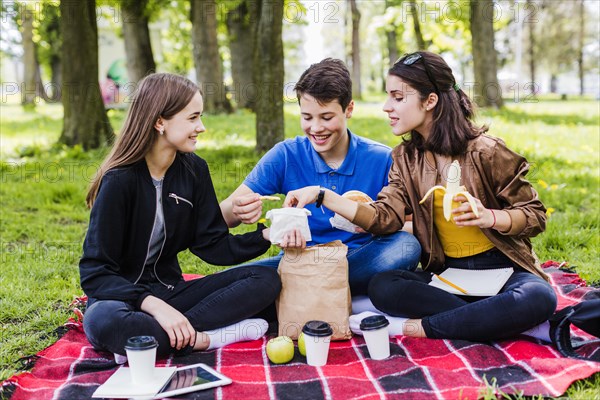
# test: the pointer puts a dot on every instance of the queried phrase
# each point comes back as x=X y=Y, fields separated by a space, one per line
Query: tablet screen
x=192 y=378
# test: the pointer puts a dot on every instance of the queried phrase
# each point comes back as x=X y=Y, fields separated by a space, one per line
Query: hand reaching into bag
x=291 y=240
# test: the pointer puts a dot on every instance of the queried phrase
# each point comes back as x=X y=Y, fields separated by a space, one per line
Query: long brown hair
x=157 y=95
x=453 y=115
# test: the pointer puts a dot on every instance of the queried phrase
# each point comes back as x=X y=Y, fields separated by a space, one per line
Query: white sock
x=248 y=329
x=361 y=304
x=396 y=325
x=119 y=359
x=356 y=318
x=541 y=331
x=394 y=328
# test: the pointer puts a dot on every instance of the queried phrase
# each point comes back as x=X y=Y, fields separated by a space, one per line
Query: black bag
x=585 y=316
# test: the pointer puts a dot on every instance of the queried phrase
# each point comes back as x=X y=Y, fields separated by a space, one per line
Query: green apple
x=301 y=344
x=280 y=350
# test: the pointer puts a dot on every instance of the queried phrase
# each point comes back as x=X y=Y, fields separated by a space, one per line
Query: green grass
x=43 y=217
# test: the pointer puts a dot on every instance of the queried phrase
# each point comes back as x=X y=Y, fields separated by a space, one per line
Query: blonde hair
x=157 y=96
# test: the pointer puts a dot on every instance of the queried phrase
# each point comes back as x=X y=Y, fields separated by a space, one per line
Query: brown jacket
x=490 y=172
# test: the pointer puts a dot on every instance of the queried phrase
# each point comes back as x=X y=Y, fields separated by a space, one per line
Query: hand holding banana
x=469 y=211
x=464 y=214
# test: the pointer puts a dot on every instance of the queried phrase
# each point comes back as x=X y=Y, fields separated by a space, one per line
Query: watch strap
x=320 y=198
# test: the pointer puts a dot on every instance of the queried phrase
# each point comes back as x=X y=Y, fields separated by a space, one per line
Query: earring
x=161 y=131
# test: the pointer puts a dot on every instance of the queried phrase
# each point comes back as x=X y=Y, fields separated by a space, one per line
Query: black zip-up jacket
x=121 y=222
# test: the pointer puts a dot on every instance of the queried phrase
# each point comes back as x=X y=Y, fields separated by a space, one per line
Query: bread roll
x=358 y=196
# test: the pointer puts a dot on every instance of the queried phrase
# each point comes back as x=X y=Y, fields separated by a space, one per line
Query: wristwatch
x=320 y=198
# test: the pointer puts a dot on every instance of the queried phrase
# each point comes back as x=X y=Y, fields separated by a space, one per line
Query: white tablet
x=191 y=378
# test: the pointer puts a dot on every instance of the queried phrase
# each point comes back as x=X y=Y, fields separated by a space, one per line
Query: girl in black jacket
x=152 y=198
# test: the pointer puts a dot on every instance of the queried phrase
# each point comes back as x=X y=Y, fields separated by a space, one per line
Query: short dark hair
x=326 y=81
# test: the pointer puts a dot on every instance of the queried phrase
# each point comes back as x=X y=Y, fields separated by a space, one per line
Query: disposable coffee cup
x=317 y=336
x=375 y=332
x=141 y=356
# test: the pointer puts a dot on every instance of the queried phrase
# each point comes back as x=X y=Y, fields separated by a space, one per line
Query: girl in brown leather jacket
x=426 y=106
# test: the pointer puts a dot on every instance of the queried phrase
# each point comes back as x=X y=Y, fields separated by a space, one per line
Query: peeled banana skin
x=452 y=189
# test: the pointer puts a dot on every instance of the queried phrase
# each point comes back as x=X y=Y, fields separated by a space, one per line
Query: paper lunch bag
x=284 y=220
x=315 y=287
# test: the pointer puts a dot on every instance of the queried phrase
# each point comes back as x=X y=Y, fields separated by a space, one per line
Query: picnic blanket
x=417 y=369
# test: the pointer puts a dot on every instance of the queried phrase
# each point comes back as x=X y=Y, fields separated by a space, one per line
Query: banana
x=452 y=189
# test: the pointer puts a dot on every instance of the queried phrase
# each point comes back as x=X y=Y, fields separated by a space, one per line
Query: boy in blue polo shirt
x=331 y=156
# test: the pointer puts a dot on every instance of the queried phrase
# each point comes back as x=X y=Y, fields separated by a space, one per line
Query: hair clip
x=456 y=87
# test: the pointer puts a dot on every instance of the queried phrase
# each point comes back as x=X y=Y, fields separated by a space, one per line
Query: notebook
x=119 y=384
x=484 y=282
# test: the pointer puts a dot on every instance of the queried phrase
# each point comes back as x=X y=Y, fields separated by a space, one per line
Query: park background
x=68 y=70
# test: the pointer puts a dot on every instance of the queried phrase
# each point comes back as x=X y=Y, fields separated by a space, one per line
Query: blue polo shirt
x=294 y=164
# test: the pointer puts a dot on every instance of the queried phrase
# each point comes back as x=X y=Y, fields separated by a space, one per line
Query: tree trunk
x=208 y=63
x=392 y=54
x=136 y=35
x=40 y=90
x=355 y=56
x=392 y=46
x=392 y=39
x=269 y=74
x=532 y=55
x=553 y=83
x=33 y=88
x=28 y=96
x=56 y=79
x=85 y=121
x=49 y=29
x=241 y=44
x=580 y=68
x=487 y=91
x=392 y=42
x=417 y=25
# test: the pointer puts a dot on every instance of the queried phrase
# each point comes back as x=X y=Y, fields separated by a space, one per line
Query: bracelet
x=494 y=215
x=320 y=198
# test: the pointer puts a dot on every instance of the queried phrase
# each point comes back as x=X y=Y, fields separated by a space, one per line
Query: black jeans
x=212 y=302
x=525 y=300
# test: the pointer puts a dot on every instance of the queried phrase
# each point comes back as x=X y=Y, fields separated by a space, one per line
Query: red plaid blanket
x=417 y=369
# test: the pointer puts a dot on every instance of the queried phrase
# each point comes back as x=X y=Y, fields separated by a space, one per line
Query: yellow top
x=457 y=241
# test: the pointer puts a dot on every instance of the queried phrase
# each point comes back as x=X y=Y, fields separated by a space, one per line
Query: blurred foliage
x=444 y=24
x=47 y=36
x=176 y=38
